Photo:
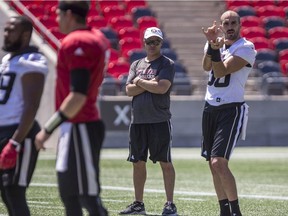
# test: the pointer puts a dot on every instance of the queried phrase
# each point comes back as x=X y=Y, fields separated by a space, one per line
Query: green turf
x=261 y=174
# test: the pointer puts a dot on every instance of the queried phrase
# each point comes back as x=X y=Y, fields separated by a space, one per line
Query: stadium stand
x=252 y=32
x=278 y=32
x=280 y=44
x=273 y=21
x=273 y=83
x=97 y=21
x=123 y=23
x=117 y=23
x=110 y=86
x=141 y=11
x=270 y=10
x=257 y=3
x=245 y=11
x=251 y=21
x=136 y=54
x=132 y=32
x=117 y=68
x=131 y=4
x=265 y=54
x=127 y=44
x=268 y=66
x=252 y=13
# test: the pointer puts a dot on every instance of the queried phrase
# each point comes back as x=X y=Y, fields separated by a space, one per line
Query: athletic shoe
x=169 y=209
x=135 y=208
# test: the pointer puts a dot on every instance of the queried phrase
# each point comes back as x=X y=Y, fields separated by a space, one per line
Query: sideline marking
x=189 y=193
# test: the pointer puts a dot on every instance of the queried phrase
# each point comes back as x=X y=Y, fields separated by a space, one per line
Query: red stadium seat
x=48 y=21
x=97 y=21
x=270 y=10
x=129 y=32
x=278 y=32
x=114 y=55
x=284 y=67
x=282 y=3
x=261 y=42
x=120 y=22
x=113 y=11
x=236 y=3
x=127 y=44
x=146 y=22
x=117 y=68
x=26 y=3
x=55 y=31
x=37 y=10
x=283 y=55
x=102 y=4
x=130 y=4
x=93 y=12
x=257 y=3
x=251 y=21
x=253 y=32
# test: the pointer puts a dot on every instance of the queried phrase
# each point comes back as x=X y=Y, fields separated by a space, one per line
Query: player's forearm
x=133 y=90
x=72 y=104
x=206 y=63
x=25 y=124
x=154 y=86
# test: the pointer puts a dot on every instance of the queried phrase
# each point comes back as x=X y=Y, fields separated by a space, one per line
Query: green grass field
x=261 y=174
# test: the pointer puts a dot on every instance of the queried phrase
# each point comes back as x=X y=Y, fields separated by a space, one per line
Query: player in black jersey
x=22 y=76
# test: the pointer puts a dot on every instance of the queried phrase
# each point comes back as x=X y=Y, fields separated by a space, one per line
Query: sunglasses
x=153 y=42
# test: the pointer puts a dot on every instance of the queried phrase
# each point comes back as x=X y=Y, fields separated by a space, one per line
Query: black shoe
x=169 y=209
x=135 y=208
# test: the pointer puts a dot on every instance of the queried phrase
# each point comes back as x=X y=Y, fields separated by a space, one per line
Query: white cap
x=153 y=31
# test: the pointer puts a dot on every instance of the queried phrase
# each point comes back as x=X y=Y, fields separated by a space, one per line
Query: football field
x=261 y=174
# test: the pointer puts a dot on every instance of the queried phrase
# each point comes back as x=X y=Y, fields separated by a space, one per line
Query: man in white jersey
x=229 y=60
x=22 y=76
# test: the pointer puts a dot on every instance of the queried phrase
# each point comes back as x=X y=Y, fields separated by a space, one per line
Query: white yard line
x=188 y=193
x=264 y=153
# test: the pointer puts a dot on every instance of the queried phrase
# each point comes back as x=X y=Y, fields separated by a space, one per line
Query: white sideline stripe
x=190 y=193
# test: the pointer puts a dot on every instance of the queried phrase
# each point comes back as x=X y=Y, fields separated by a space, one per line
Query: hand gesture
x=40 y=138
x=212 y=32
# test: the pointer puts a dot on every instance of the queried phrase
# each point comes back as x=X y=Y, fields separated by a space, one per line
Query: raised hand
x=212 y=32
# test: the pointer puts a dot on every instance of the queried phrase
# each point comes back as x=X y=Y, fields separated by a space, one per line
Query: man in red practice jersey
x=80 y=69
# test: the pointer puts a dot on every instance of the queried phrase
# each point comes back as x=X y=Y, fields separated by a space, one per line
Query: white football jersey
x=11 y=72
x=231 y=88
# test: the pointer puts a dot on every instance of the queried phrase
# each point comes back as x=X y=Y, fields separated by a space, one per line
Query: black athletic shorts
x=20 y=175
x=156 y=137
x=221 y=128
x=78 y=157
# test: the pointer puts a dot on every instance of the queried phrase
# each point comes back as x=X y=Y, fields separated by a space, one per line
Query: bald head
x=229 y=14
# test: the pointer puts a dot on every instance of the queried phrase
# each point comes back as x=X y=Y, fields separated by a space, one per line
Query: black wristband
x=215 y=55
x=56 y=119
x=209 y=50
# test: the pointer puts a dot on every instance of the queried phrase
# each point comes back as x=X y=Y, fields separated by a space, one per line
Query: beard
x=232 y=36
x=12 y=47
